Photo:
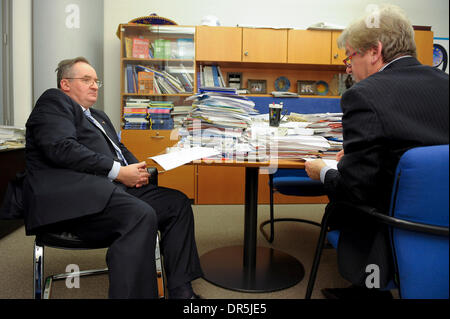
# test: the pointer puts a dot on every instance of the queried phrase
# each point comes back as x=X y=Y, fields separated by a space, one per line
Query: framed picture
x=234 y=80
x=306 y=88
x=257 y=86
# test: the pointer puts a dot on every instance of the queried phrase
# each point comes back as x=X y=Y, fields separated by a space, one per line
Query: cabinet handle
x=246 y=53
x=157 y=136
x=336 y=55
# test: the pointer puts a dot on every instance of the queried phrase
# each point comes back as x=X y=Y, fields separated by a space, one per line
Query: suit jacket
x=404 y=106
x=67 y=161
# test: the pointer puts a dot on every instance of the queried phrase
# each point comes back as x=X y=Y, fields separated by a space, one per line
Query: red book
x=140 y=48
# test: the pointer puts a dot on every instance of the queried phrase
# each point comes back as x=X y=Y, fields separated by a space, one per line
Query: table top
x=280 y=163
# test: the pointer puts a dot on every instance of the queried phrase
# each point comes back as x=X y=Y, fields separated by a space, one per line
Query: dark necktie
x=96 y=123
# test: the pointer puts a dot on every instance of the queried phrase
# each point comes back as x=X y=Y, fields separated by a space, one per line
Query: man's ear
x=376 y=55
x=64 y=84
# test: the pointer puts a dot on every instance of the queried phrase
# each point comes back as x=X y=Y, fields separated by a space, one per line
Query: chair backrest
x=421 y=194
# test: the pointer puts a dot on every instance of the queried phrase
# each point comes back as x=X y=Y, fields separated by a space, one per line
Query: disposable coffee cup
x=275 y=114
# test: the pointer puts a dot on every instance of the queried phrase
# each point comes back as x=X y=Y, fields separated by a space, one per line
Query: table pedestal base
x=274 y=270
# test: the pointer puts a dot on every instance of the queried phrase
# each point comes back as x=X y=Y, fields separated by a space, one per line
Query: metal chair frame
x=42 y=286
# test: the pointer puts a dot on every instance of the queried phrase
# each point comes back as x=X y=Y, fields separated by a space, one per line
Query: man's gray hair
x=65 y=67
x=385 y=23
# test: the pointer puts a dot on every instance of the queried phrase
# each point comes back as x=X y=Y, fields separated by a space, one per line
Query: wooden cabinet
x=424 y=45
x=218 y=44
x=337 y=55
x=264 y=45
x=317 y=50
x=226 y=185
x=233 y=44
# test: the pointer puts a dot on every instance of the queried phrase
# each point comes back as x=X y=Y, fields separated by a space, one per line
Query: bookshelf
x=157 y=66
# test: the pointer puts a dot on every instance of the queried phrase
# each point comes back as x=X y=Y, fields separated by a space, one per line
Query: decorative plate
x=322 y=87
x=282 y=84
x=440 y=57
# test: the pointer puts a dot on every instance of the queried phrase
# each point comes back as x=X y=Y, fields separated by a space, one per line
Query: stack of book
x=159 y=114
x=135 y=114
x=162 y=82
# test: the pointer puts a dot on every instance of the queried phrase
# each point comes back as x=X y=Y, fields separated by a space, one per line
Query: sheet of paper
x=329 y=162
x=180 y=157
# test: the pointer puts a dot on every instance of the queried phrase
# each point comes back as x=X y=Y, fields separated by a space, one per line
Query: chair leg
x=271 y=220
x=38 y=271
x=318 y=254
x=160 y=270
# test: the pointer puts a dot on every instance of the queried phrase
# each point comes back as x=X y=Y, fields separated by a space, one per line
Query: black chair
x=293 y=182
x=418 y=221
x=64 y=240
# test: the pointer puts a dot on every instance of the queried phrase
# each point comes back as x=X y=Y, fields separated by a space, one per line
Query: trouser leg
x=131 y=224
x=176 y=223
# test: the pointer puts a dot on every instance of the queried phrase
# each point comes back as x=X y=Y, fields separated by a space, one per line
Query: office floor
x=216 y=226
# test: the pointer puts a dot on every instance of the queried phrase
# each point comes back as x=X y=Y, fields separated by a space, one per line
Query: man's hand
x=133 y=175
x=313 y=168
x=339 y=155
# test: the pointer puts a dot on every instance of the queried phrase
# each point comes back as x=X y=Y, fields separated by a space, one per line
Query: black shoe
x=355 y=292
x=183 y=292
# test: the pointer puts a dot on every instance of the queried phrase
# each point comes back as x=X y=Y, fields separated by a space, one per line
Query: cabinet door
x=145 y=143
x=309 y=46
x=424 y=46
x=337 y=55
x=264 y=45
x=218 y=44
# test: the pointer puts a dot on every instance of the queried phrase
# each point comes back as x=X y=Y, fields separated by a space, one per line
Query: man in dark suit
x=81 y=179
x=396 y=104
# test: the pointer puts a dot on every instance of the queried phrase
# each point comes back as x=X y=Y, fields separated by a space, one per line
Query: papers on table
x=329 y=162
x=182 y=156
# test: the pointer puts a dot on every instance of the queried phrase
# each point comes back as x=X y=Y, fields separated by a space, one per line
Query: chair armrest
x=153 y=179
x=397 y=222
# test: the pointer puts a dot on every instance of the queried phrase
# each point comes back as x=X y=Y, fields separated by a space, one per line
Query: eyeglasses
x=348 y=60
x=88 y=81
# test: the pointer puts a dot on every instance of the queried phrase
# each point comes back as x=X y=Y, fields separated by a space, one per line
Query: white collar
x=400 y=57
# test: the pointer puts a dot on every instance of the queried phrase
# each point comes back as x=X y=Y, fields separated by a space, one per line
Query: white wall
x=22 y=59
x=289 y=13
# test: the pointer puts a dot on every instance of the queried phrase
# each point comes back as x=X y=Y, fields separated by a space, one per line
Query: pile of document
x=327 y=125
x=286 y=141
x=179 y=114
x=12 y=137
x=217 y=119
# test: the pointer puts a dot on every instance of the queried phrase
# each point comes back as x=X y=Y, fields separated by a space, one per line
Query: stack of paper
x=276 y=143
x=12 y=137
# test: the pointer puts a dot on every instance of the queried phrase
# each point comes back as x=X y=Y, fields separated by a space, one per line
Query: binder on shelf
x=130 y=79
x=215 y=75
x=128 y=47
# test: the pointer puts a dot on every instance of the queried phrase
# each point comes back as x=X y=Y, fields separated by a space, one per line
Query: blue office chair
x=294 y=182
x=418 y=221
